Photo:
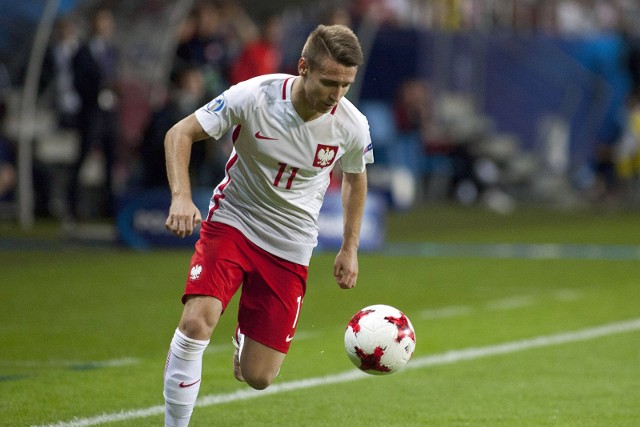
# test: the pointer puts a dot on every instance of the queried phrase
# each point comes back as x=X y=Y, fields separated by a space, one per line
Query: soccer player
x=288 y=134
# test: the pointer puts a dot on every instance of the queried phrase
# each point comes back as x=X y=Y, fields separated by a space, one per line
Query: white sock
x=182 y=376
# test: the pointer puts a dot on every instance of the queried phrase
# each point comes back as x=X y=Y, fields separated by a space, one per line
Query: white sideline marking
x=567 y=295
x=512 y=303
x=446 y=312
x=218 y=348
x=54 y=363
x=449 y=357
x=514 y=250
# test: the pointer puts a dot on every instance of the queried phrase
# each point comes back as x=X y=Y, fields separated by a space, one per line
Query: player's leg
x=259 y=364
x=214 y=277
x=200 y=316
x=183 y=369
x=269 y=309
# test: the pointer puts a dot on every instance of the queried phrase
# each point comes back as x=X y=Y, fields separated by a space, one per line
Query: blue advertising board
x=141 y=221
x=372 y=232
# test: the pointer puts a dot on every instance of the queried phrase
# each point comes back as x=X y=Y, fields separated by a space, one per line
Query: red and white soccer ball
x=380 y=339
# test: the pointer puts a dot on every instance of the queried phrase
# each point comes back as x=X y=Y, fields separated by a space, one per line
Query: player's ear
x=303 y=67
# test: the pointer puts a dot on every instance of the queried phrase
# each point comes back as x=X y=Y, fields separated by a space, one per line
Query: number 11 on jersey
x=281 y=172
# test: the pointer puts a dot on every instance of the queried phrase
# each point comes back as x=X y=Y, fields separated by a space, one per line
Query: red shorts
x=272 y=288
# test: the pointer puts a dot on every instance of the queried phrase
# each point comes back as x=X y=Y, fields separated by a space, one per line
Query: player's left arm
x=354 y=194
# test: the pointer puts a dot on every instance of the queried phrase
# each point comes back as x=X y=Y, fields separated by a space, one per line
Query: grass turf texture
x=85 y=331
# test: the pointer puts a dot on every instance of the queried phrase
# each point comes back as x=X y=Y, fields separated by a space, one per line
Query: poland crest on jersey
x=325 y=155
x=195 y=272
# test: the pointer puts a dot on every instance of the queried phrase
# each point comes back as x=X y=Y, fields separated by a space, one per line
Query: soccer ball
x=380 y=339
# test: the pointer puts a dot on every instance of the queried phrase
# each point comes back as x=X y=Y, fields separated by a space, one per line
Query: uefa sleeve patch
x=216 y=105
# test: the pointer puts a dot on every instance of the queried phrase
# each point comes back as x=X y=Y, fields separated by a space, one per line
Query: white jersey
x=279 y=169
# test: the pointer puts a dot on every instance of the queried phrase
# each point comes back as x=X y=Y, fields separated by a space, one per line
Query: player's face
x=325 y=85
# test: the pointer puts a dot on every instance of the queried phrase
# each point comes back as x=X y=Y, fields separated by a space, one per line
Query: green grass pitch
x=531 y=319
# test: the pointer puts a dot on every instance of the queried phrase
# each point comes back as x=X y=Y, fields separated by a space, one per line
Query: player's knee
x=258 y=379
x=258 y=382
x=196 y=327
x=200 y=316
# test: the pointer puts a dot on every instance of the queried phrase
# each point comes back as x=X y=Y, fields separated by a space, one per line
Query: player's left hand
x=345 y=269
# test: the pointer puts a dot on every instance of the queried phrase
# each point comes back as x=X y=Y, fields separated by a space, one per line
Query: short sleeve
x=223 y=112
x=359 y=153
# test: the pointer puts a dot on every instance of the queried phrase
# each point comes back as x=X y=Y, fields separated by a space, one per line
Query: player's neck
x=306 y=112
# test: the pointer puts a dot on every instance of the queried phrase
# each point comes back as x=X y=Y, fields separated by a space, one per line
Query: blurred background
x=494 y=104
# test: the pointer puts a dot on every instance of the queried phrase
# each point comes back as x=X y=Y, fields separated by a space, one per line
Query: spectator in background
x=8 y=161
x=208 y=48
x=186 y=33
x=187 y=95
x=58 y=72
x=8 y=171
x=383 y=12
x=412 y=108
x=262 y=56
x=415 y=124
x=201 y=36
x=338 y=15
x=575 y=17
x=423 y=141
x=95 y=68
x=237 y=26
x=627 y=150
x=220 y=31
x=631 y=54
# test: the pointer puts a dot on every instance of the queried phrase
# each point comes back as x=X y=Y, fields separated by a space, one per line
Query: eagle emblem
x=325 y=155
x=195 y=272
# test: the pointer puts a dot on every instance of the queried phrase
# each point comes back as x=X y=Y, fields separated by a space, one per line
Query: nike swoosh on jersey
x=183 y=385
x=288 y=338
x=260 y=136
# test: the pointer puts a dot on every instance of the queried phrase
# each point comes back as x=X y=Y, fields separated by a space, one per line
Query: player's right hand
x=184 y=217
x=345 y=269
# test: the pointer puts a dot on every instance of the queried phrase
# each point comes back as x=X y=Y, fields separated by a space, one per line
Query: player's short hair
x=337 y=42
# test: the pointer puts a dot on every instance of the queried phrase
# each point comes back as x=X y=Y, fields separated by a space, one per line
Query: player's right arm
x=184 y=216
